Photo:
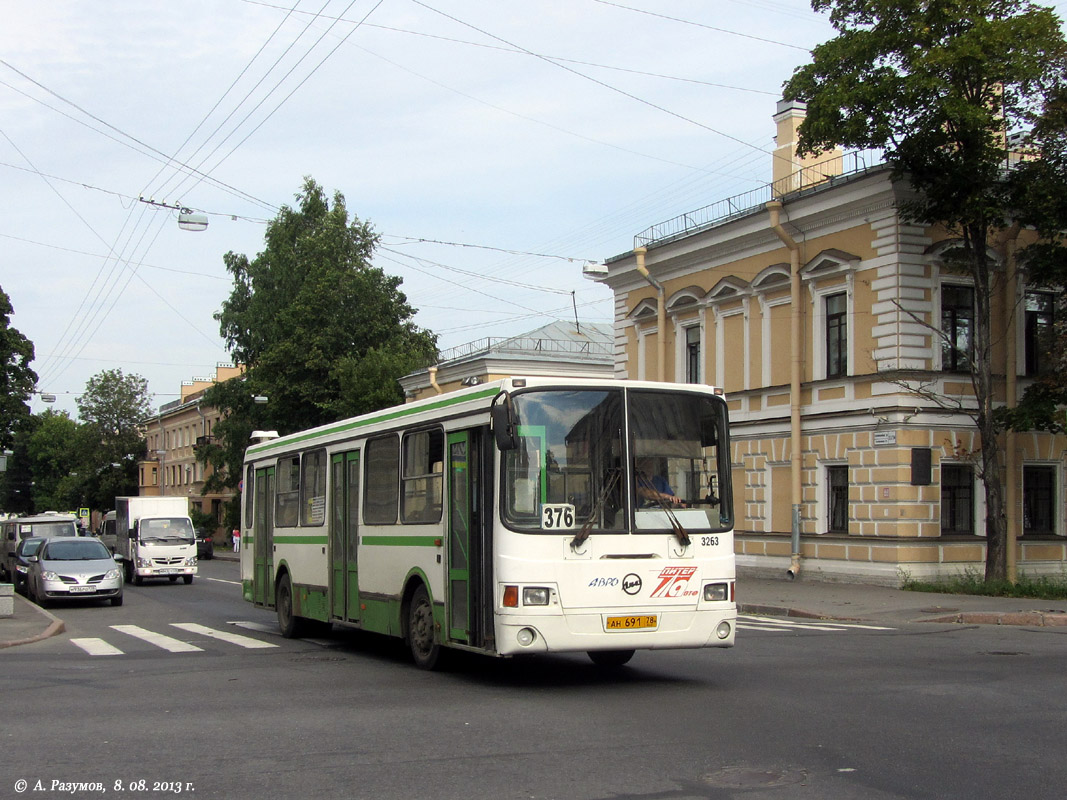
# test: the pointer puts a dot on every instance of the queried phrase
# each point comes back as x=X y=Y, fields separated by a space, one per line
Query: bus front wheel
x=424 y=648
x=610 y=658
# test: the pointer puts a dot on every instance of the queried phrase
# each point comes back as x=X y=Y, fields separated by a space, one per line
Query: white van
x=47 y=525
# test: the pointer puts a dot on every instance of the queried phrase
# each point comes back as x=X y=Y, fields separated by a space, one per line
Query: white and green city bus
x=529 y=515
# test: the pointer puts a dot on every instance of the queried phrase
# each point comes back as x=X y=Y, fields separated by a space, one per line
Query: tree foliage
x=54 y=462
x=1039 y=191
x=938 y=84
x=111 y=408
x=17 y=380
x=323 y=333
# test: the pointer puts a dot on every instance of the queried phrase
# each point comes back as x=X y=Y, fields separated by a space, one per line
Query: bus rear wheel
x=424 y=648
x=292 y=627
x=610 y=658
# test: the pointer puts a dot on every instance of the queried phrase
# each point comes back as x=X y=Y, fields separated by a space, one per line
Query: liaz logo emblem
x=631 y=584
x=674 y=582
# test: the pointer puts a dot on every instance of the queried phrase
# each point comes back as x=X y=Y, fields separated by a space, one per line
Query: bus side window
x=381 y=482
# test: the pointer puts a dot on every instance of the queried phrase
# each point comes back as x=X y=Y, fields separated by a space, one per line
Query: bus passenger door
x=263 y=539
x=459 y=536
x=344 y=537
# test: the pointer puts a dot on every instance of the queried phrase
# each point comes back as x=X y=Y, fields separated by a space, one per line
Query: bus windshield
x=617 y=460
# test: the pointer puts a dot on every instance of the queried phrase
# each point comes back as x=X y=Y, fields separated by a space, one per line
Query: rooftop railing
x=809 y=178
x=525 y=345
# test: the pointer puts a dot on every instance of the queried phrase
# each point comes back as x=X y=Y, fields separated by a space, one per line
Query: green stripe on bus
x=301 y=539
x=360 y=422
x=402 y=541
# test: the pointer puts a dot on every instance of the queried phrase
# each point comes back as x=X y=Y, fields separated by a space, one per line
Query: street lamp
x=188 y=221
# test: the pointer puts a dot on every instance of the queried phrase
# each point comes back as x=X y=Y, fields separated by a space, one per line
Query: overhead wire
x=205 y=175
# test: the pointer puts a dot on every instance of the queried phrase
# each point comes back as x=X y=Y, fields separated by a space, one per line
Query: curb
x=55 y=626
x=779 y=611
x=1040 y=619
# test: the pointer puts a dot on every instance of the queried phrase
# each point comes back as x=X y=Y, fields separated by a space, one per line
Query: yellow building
x=173 y=435
x=839 y=337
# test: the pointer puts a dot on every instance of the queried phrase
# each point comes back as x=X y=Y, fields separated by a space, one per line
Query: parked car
x=21 y=561
x=73 y=569
x=205 y=545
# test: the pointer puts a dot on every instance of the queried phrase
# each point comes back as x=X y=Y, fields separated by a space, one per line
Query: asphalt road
x=796 y=710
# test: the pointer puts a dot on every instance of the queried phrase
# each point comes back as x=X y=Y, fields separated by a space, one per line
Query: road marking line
x=813 y=625
x=158 y=639
x=232 y=638
x=97 y=647
x=220 y=580
x=273 y=630
x=256 y=626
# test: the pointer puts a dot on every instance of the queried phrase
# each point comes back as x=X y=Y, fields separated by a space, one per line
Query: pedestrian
x=236 y=540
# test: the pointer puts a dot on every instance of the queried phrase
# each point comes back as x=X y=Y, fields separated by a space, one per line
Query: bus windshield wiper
x=587 y=527
x=679 y=531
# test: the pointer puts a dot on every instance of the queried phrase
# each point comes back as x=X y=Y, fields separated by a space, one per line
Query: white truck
x=154 y=538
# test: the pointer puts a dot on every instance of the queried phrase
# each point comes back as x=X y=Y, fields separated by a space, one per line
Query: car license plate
x=167 y=571
x=82 y=589
x=635 y=622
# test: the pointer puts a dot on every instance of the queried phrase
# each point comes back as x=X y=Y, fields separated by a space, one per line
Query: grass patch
x=971 y=581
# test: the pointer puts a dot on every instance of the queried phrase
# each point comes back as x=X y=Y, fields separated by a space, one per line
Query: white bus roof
x=463 y=401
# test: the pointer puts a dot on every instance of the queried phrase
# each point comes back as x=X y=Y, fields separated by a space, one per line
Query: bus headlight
x=535 y=596
x=525 y=637
x=715 y=592
x=722 y=630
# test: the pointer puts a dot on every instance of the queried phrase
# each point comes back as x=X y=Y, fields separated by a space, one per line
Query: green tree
x=1039 y=192
x=16 y=483
x=17 y=380
x=111 y=408
x=54 y=463
x=937 y=84
x=322 y=333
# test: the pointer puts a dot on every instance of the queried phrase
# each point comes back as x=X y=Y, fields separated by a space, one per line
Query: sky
x=495 y=146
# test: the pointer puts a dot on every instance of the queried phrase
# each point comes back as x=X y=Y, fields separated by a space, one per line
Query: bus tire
x=187 y=579
x=610 y=658
x=425 y=650
x=291 y=626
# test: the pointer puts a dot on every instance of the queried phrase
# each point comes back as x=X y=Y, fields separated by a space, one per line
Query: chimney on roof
x=791 y=172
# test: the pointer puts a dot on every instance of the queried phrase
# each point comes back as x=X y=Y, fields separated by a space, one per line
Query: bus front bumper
x=648 y=629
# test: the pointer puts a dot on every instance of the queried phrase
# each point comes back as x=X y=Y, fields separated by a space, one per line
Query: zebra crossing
x=134 y=635
x=95 y=646
x=747 y=622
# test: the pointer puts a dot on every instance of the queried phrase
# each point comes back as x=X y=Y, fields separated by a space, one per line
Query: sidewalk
x=882 y=604
x=755 y=596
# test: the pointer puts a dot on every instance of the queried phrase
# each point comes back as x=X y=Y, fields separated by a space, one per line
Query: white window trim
x=1057 y=498
x=822 y=493
x=978 y=490
x=818 y=327
x=720 y=344
x=765 y=335
x=939 y=335
x=681 y=360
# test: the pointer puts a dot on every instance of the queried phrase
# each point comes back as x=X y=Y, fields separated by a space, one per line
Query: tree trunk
x=982 y=272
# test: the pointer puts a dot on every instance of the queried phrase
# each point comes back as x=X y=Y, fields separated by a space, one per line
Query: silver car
x=76 y=568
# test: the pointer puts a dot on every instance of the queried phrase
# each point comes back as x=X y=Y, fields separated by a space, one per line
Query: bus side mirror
x=503 y=419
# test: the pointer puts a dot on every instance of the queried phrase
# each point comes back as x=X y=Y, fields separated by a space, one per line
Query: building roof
x=563 y=340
